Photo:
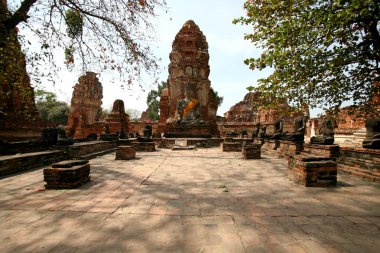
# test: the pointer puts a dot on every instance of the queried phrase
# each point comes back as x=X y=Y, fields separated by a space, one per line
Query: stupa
x=85 y=106
x=188 y=105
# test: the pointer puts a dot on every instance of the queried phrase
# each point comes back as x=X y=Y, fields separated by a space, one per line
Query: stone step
x=373 y=164
x=10 y=164
x=95 y=154
x=85 y=148
x=364 y=173
x=184 y=148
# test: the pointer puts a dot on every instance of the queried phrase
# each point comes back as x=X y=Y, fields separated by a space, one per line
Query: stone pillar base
x=331 y=151
x=125 y=153
x=145 y=146
x=312 y=171
x=252 y=151
x=230 y=146
x=67 y=174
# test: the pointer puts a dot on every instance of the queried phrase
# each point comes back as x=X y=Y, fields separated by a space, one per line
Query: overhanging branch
x=21 y=15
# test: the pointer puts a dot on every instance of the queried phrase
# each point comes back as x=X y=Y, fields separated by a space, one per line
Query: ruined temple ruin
x=350 y=130
x=118 y=120
x=247 y=113
x=85 y=106
x=145 y=117
x=19 y=118
x=243 y=111
x=188 y=106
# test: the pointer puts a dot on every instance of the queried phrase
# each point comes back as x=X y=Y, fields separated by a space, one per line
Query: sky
x=229 y=76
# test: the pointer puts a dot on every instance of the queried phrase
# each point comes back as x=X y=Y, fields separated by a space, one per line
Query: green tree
x=104 y=114
x=134 y=114
x=43 y=96
x=219 y=99
x=250 y=88
x=94 y=35
x=59 y=113
x=153 y=101
x=323 y=52
x=51 y=110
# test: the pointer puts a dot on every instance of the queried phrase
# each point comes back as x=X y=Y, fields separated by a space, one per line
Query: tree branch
x=21 y=15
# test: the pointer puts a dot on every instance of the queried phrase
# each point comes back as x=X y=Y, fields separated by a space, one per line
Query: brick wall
x=361 y=162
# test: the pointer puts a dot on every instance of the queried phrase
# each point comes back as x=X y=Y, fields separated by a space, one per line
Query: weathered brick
x=312 y=171
x=252 y=151
x=67 y=174
x=361 y=162
x=230 y=146
x=145 y=146
x=125 y=153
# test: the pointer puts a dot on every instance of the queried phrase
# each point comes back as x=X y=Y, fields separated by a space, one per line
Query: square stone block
x=125 y=153
x=312 y=171
x=145 y=146
x=290 y=147
x=331 y=151
x=67 y=174
x=252 y=151
x=230 y=146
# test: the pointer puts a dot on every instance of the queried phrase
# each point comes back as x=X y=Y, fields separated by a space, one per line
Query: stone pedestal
x=282 y=148
x=145 y=146
x=127 y=142
x=109 y=137
x=125 y=153
x=185 y=131
x=312 y=171
x=350 y=138
x=243 y=141
x=67 y=174
x=49 y=136
x=252 y=151
x=271 y=148
x=290 y=147
x=197 y=142
x=360 y=134
x=331 y=151
x=230 y=146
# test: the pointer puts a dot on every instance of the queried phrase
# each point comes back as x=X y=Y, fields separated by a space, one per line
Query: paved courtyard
x=188 y=201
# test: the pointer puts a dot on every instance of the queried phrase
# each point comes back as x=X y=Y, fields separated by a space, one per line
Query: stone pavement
x=188 y=201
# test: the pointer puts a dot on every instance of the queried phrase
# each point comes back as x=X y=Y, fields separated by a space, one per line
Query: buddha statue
x=299 y=130
x=147 y=133
x=255 y=133
x=63 y=140
x=106 y=129
x=278 y=129
x=372 y=139
x=262 y=132
x=244 y=133
x=188 y=108
x=327 y=137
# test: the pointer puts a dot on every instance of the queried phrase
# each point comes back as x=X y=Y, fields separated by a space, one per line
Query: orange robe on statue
x=192 y=103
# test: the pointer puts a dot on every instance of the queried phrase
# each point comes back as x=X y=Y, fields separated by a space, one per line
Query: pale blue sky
x=229 y=76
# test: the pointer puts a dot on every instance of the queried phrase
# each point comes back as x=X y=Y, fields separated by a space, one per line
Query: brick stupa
x=118 y=120
x=85 y=108
x=19 y=118
x=188 y=73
